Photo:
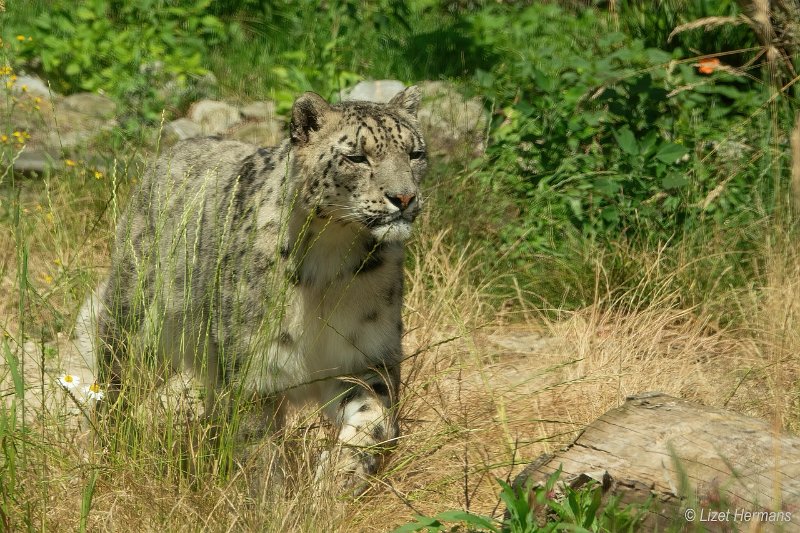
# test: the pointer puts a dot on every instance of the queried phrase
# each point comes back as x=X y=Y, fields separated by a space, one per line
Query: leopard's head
x=361 y=162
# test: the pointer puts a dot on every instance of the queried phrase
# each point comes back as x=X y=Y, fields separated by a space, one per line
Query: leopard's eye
x=356 y=158
x=417 y=154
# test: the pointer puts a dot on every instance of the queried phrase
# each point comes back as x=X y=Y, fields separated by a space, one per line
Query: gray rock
x=65 y=138
x=214 y=117
x=454 y=126
x=56 y=130
x=258 y=111
x=36 y=160
x=380 y=91
x=266 y=133
x=91 y=104
x=33 y=86
x=180 y=129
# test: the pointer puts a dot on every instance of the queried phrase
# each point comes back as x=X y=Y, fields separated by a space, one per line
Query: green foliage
x=655 y=23
x=142 y=52
x=604 y=137
x=287 y=47
x=530 y=510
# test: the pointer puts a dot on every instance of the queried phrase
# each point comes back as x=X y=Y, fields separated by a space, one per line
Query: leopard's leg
x=363 y=410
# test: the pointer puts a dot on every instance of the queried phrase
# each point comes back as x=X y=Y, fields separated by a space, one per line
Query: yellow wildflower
x=69 y=162
x=98 y=175
x=24 y=88
x=57 y=261
x=47 y=278
x=20 y=37
x=4 y=138
x=49 y=216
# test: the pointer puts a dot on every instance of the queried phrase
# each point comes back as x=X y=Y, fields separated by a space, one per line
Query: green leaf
x=591 y=512
x=84 y=13
x=670 y=152
x=14 y=367
x=674 y=181
x=468 y=518
x=627 y=141
x=421 y=522
x=73 y=69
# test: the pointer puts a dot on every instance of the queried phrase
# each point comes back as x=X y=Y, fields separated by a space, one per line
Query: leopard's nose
x=400 y=201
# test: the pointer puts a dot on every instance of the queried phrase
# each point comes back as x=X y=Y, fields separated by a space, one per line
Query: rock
x=36 y=160
x=214 y=117
x=267 y=133
x=671 y=452
x=380 y=91
x=57 y=125
x=454 y=126
x=65 y=138
x=33 y=87
x=258 y=111
x=180 y=129
x=91 y=104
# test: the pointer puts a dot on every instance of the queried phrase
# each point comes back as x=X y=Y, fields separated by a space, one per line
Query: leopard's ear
x=408 y=100
x=307 y=116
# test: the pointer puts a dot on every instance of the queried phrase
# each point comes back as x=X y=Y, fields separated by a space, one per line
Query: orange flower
x=708 y=65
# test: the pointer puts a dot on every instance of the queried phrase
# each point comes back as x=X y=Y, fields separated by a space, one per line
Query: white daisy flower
x=68 y=381
x=93 y=392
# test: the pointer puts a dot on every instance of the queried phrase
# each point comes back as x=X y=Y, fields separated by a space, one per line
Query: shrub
x=142 y=52
x=607 y=138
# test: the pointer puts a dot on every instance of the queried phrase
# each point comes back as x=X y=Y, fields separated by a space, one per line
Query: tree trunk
x=701 y=464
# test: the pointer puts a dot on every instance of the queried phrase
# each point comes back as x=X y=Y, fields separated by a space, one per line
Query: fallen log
x=705 y=466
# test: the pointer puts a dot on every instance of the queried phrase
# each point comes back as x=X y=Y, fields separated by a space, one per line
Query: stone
x=34 y=86
x=268 y=133
x=180 y=129
x=258 y=111
x=91 y=104
x=57 y=127
x=380 y=91
x=214 y=117
x=37 y=161
x=454 y=126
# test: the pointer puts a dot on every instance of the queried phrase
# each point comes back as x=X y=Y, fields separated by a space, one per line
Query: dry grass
x=481 y=397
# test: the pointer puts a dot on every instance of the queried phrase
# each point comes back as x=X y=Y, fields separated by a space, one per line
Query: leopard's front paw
x=347 y=467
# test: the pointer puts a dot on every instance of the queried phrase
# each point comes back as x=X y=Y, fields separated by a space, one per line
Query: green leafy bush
x=603 y=138
x=143 y=52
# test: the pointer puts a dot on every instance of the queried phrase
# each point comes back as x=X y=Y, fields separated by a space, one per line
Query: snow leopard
x=275 y=274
